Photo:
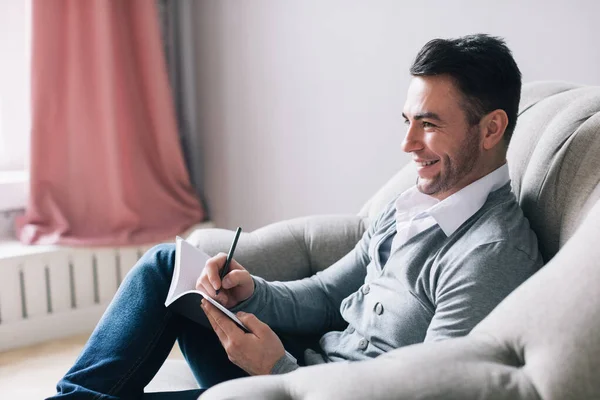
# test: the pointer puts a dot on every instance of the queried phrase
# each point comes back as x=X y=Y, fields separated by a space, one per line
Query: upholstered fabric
x=173 y=376
x=288 y=250
x=555 y=160
x=542 y=342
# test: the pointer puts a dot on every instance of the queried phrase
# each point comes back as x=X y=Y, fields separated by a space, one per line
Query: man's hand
x=236 y=287
x=255 y=352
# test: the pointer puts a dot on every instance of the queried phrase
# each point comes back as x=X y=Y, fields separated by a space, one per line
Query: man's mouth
x=426 y=163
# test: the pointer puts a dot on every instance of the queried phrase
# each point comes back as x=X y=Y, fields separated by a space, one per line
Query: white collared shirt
x=416 y=212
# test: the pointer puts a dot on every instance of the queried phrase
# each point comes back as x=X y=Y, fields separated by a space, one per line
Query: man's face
x=445 y=148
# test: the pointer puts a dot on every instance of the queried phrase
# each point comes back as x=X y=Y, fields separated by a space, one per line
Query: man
x=432 y=265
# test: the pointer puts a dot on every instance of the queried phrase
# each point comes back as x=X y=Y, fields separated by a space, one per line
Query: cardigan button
x=362 y=344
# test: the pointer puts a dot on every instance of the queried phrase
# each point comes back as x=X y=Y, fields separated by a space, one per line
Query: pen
x=225 y=269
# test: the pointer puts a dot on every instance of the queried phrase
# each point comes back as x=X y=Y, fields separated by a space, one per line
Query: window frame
x=14 y=187
x=14 y=176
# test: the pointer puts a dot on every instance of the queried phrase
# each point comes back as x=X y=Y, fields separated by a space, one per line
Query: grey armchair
x=541 y=342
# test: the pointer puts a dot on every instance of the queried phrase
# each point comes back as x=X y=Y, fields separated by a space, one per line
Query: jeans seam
x=140 y=360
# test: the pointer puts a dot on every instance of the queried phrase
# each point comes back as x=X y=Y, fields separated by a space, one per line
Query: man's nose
x=412 y=140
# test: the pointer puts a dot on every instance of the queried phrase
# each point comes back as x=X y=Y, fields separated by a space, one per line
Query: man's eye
x=428 y=125
x=406 y=122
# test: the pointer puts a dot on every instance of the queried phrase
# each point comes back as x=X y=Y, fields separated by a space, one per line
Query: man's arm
x=473 y=285
x=311 y=305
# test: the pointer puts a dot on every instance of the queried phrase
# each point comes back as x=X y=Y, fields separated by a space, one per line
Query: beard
x=455 y=169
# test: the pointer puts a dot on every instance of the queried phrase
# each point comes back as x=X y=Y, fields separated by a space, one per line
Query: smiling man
x=440 y=257
x=432 y=265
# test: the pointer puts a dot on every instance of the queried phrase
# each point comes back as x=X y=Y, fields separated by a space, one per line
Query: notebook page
x=189 y=263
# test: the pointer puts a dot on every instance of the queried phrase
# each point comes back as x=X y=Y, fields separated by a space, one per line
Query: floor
x=31 y=373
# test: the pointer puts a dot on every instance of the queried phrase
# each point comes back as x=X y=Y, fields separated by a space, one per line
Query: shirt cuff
x=284 y=365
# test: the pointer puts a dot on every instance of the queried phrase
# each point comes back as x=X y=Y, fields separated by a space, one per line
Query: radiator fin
x=48 y=290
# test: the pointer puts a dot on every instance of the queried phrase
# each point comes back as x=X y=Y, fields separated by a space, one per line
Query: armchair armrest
x=288 y=250
x=462 y=368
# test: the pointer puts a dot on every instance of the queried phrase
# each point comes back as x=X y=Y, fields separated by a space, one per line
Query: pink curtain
x=106 y=163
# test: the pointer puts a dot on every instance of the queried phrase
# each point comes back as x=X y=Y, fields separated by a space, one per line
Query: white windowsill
x=14 y=189
x=12 y=248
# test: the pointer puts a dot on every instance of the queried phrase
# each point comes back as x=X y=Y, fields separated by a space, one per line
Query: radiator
x=50 y=292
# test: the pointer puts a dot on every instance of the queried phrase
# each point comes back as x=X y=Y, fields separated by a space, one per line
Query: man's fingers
x=212 y=268
x=255 y=325
x=234 y=265
x=222 y=297
x=235 y=278
x=215 y=264
x=228 y=327
x=216 y=327
x=205 y=286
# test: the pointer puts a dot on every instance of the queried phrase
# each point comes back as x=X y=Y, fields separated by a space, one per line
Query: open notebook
x=183 y=297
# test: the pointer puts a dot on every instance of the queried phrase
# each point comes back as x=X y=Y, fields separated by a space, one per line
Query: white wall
x=301 y=100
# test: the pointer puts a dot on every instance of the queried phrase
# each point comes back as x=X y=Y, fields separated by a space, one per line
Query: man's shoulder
x=499 y=228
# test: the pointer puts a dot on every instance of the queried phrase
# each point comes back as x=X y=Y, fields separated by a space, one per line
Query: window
x=15 y=119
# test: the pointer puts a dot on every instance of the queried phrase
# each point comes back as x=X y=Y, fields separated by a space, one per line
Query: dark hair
x=483 y=69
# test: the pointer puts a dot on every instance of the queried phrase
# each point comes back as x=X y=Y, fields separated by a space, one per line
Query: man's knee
x=159 y=259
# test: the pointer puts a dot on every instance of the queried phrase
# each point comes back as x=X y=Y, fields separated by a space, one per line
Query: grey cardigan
x=433 y=287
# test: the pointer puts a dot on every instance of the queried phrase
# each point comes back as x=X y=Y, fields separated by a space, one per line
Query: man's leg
x=206 y=356
x=133 y=338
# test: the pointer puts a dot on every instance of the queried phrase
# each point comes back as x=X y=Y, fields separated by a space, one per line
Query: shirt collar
x=454 y=210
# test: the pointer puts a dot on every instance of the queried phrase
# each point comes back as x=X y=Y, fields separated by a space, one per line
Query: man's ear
x=493 y=126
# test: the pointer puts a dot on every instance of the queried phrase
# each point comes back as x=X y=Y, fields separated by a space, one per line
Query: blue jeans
x=135 y=336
